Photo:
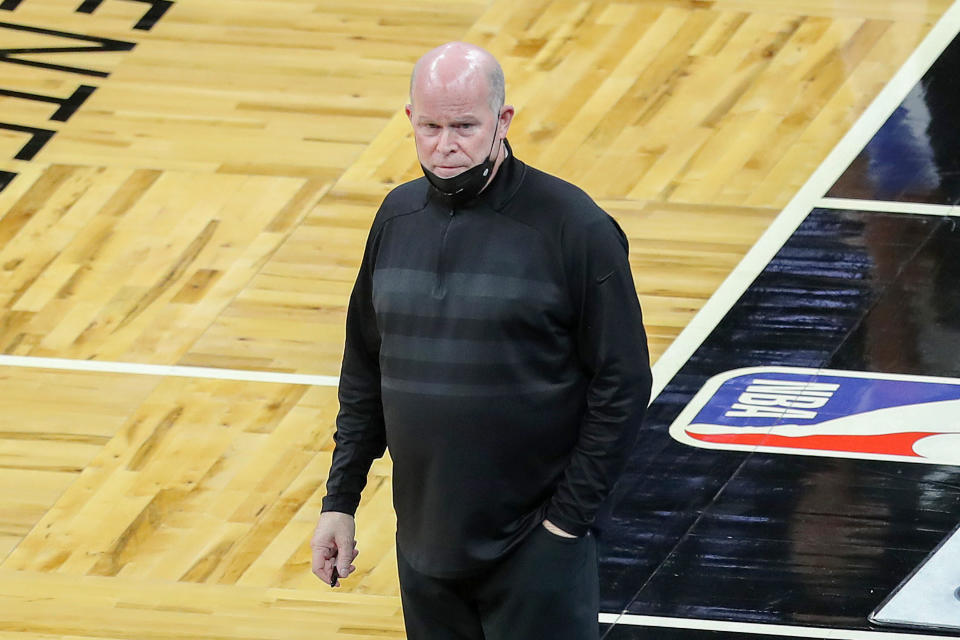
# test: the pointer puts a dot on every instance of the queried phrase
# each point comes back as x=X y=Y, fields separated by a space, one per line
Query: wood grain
x=207 y=206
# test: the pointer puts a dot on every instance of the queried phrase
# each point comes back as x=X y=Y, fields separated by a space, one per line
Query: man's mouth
x=447 y=171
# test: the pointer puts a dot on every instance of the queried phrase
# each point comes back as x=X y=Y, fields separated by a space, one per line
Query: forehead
x=450 y=109
x=464 y=98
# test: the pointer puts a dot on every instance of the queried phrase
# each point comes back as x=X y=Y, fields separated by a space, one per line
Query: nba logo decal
x=846 y=414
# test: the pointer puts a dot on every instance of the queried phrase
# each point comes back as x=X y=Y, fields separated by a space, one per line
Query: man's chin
x=448 y=172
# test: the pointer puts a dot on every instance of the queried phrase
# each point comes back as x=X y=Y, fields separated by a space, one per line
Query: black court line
x=6 y=177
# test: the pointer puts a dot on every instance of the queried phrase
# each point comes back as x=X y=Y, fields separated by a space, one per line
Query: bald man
x=495 y=344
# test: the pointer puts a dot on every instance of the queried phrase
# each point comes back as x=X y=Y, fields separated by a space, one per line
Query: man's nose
x=448 y=140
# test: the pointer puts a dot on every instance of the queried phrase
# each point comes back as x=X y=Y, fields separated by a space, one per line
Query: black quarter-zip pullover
x=498 y=349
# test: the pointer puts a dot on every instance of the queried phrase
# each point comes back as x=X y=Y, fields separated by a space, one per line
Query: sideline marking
x=886 y=206
x=66 y=364
x=821 y=633
x=927 y=598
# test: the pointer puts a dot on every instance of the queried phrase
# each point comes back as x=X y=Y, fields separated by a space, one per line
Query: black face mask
x=466 y=185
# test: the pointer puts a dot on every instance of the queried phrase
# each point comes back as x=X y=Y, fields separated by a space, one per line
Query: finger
x=317 y=562
x=328 y=550
x=345 y=557
x=323 y=573
x=322 y=564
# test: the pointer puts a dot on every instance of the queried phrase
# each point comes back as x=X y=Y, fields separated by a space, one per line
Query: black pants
x=548 y=588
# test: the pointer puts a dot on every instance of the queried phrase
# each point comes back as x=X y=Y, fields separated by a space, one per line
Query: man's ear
x=506 y=117
x=409 y=111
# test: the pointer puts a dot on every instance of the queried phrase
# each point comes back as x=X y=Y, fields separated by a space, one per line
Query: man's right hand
x=334 y=545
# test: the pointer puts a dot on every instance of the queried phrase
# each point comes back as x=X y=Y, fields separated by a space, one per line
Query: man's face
x=453 y=127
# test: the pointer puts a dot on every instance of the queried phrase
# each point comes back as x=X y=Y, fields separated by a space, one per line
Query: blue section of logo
x=765 y=398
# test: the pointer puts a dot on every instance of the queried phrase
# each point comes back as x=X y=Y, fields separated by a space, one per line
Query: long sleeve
x=360 y=436
x=612 y=348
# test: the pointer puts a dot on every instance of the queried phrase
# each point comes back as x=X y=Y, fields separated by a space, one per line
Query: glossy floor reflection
x=659 y=633
x=802 y=540
x=785 y=539
x=913 y=158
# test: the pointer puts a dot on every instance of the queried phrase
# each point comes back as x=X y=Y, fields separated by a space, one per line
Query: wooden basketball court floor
x=185 y=188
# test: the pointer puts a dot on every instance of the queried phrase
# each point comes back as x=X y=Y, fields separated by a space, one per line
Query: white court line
x=886 y=206
x=690 y=339
x=927 y=598
x=65 y=364
x=821 y=633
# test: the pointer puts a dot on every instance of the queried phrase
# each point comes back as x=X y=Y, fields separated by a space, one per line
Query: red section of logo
x=896 y=444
